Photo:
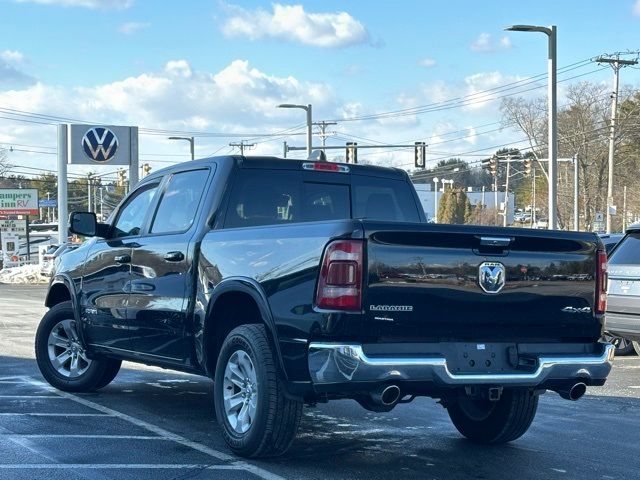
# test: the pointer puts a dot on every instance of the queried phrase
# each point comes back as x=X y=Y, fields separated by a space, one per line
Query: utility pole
x=533 y=207
x=624 y=209
x=242 y=146
x=89 y=192
x=323 y=127
x=576 y=217
x=506 y=193
x=616 y=64
x=285 y=150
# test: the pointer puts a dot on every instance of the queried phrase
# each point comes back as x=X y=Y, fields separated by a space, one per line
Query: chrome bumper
x=339 y=363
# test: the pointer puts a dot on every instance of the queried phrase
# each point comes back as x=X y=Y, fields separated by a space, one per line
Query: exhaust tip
x=577 y=391
x=390 y=395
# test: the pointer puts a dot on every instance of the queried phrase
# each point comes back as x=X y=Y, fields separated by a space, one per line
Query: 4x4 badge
x=491 y=276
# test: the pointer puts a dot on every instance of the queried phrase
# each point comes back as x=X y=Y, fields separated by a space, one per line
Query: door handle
x=174 y=256
x=122 y=258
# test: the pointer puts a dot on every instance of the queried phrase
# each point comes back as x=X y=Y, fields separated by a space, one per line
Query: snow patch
x=24 y=274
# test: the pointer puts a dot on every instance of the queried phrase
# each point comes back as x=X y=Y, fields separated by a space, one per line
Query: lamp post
x=306 y=108
x=551 y=34
x=191 y=144
x=435 y=199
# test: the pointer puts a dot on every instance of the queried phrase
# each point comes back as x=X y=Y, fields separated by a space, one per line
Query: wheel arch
x=61 y=290
x=250 y=306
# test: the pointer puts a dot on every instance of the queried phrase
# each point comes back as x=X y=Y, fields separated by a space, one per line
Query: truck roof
x=277 y=163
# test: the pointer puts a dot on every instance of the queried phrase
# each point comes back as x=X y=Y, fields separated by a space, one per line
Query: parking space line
x=118 y=466
x=21 y=397
x=71 y=435
x=38 y=414
x=240 y=465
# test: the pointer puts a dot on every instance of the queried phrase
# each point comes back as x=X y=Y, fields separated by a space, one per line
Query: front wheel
x=256 y=417
x=485 y=421
x=61 y=357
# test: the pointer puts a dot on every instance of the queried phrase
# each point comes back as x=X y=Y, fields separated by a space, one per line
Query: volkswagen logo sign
x=491 y=276
x=100 y=144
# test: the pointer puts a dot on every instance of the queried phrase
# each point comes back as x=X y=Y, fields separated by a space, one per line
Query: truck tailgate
x=425 y=283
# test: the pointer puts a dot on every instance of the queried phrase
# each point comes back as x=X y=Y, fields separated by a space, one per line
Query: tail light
x=601 y=283
x=340 y=282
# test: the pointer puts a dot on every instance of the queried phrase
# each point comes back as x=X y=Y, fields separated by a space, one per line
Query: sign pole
x=28 y=241
x=63 y=213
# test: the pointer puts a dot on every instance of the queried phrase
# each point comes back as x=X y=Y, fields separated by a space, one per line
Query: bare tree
x=4 y=163
x=583 y=129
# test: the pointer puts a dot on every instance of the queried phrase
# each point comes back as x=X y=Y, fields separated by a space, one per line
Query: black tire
x=99 y=373
x=494 y=422
x=623 y=346
x=276 y=417
x=636 y=346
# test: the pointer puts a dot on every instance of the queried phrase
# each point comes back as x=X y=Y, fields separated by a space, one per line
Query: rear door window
x=271 y=197
x=628 y=252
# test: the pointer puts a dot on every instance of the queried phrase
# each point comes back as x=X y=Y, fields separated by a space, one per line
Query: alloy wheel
x=240 y=391
x=66 y=353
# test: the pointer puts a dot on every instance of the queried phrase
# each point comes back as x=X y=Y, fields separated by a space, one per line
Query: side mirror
x=83 y=223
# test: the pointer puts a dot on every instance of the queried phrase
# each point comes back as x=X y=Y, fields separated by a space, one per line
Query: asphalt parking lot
x=151 y=423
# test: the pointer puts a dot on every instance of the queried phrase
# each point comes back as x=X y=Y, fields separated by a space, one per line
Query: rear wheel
x=61 y=357
x=623 y=346
x=485 y=421
x=636 y=346
x=256 y=417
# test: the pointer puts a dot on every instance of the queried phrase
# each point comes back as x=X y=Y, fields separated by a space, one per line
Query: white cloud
x=427 y=62
x=486 y=43
x=92 y=4
x=129 y=28
x=636 y=8
x=11 y=56
x=11 y=73
x=238 y=98
x=293 y=24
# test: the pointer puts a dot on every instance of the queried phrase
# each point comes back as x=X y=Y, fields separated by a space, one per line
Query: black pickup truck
x=292 y=282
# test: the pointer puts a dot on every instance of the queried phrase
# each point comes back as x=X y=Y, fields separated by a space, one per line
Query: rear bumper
x=623 y=325
x=335 y=366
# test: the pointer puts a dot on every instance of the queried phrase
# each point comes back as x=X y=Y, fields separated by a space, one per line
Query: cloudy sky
x=386 y=72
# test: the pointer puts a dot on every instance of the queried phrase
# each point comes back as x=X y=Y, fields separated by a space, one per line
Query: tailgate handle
x=495 y=241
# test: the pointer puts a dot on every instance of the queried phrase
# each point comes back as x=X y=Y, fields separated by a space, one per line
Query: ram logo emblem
x=491 y=276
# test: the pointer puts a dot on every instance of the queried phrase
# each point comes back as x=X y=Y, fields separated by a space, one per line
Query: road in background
x=153 y=423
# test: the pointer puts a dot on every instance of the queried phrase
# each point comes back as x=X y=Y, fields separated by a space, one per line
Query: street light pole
x=306 y=108
x=435 y=199
x=191 y=141
x=552 y=101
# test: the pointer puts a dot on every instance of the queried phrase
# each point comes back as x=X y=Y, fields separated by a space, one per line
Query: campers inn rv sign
x=18 y=201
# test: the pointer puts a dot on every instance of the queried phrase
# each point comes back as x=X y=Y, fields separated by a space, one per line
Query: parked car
x=294 y=282
x=50 y=255
x=542 y=222
x=610 y=240
x=623 y=345
x=623 y=310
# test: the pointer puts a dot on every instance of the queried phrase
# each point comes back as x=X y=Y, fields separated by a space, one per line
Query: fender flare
x=63 y=279
x=252 y=288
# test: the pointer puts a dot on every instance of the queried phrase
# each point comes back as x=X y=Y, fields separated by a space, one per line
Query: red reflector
x=601 y=283
x=340 y=281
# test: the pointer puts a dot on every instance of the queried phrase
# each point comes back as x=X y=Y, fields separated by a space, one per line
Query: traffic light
x=352 y=152
x=146 y=170
x=122 y=177
x=420 y=152
x=527 y=166
x=491 y=164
